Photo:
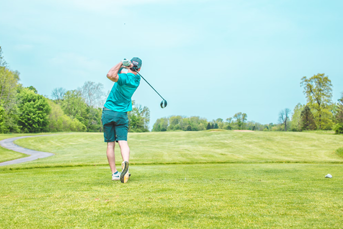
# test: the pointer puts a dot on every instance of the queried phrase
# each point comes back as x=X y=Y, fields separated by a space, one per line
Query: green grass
x=191 y=147
x=174 y=196
x=227 y=180
x=340 y=152
x=8 y=155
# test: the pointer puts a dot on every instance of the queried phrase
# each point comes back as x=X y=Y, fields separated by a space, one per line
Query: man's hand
x=131 y=65
x=113 y=72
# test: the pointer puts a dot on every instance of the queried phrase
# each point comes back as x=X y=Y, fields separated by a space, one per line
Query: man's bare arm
x=113 y=72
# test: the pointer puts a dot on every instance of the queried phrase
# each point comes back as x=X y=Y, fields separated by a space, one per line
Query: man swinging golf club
x=114 y=116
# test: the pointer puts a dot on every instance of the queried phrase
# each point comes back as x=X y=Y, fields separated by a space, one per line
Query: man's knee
x=123 y=144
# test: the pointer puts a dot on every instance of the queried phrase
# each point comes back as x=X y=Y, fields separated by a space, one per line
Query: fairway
x=205 y=179
x=190 y=147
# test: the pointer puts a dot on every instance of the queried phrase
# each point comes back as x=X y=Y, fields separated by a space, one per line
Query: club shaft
x=150 y=85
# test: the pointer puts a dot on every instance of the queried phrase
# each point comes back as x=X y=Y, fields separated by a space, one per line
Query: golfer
x=114 y=116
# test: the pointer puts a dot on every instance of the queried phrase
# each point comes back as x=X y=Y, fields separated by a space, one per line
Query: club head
x=163 y=103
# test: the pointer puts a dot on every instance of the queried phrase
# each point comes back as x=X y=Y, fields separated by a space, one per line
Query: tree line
x=196 y=123
x=319 y=113
x=23 y=110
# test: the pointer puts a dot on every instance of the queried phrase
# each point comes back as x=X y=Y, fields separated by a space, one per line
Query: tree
x=34 y=111
x=215 y=126
x=3 y=127
x=175 y=122
x=339 y=111
x=307 y=119
x=139 y=118
x=58 y=121
x=229 y=121
x=244 y=119
x=209 y=126
x=93 y=93
x=284 y=117
x=74 y=106
x=318 y=90
x=32 y=88
x=238 y=117
x=296 y=120
x=58 y=93
x=161 y=124
x=338 y=128
x=8 y=100
x=2 y=60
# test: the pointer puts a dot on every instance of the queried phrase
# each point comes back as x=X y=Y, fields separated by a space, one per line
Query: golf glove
x=126 y=63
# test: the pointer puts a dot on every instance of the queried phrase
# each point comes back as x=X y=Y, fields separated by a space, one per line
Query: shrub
x=338 y=128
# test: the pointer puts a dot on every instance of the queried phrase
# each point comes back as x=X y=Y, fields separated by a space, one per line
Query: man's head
x=137 y=64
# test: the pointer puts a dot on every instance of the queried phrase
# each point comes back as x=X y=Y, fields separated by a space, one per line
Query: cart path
x=34 y=155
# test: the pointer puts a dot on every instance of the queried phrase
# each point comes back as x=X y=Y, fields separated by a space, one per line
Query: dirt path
x=9 y=144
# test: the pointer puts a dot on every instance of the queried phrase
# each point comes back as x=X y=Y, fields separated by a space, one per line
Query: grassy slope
x=8 y=155
x=174 y=196
x=191 y=147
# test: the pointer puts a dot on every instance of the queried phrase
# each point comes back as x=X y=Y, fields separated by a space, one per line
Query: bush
x=338 y=128
x=34 y=111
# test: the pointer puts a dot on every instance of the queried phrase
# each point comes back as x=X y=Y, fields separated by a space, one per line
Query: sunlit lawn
x=253 y=189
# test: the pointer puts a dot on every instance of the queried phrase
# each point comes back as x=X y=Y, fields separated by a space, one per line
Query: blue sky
x=207 y=58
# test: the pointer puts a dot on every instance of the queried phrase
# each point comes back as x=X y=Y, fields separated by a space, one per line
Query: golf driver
x=127 y=63
x=164 y=102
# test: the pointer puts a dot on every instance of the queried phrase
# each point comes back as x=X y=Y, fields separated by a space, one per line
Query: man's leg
x=125 y=153
x=110 y=156
x=125 y=150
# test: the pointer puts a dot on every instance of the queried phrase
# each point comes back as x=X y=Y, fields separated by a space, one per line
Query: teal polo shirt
x=120 y=96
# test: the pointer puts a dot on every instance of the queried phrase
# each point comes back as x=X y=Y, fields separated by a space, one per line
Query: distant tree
x=74 y=106
x=161 y=124
x=244 y=119
x=209 y=126
x=189 y=128
x=58 y=93
x=32 y=88
x=318 y=90
x=238 y=117
x=93 y=93
x=175 y=122
x=307 y=119
x=34 y=111
x=229 y=121
x=296 y=120
x=58 y=121
x=338 y=128
x=139 y=118
x=284 y=117
x=215 y=126
x=339 y=111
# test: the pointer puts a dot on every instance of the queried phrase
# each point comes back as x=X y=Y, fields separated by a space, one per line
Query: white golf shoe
x=116 y=176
